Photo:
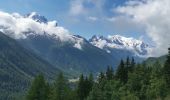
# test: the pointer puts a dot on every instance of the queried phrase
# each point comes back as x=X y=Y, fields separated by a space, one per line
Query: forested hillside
x=84 y=49
x=130 y=81
x=152 y=60
x=18 y=67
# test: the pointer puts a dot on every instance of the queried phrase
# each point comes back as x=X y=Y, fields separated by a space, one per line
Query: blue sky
x=92 y=18
x=147 y=20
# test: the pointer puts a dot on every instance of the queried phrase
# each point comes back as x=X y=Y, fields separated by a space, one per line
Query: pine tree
x=39 y=89
x=101 y=77
x=122 y=72
x=60 y=89
x=167 y=70
x=127 y=69
x=91 y=82
x=86 y=87
x=127 y=64
x=132 y=65
x=157 y=85
x=96 y=94
x=102 y=81
x=81 y=88
x=109 y=73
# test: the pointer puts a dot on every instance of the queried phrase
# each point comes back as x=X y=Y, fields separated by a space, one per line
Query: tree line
x=130 y=81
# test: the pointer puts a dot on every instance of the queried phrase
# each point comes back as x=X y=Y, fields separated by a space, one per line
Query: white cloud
x=155 y=16
x=91 y=18
x=141 y=38
x=15 y=25
x=77 y=8
x=124 y=24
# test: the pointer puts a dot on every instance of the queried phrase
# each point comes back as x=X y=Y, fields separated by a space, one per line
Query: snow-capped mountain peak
x=34 y=25
x=78 y=41
x=120 y=42
x=37 y=17
x=128 y=42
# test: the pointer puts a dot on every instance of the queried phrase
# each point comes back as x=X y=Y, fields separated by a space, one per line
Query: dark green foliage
x=143 y=83
x=109 y=73
x=132 y=65
x=128 y=62
x=131 y=81
x=39 y=89
x=60 y=89
x=81 y=88
x=167 y=70
x=84 y=86
x=96 y=93
x=87 y=87
x=101 y=81
x=91 y=81
x=152 y=60
x=122 y=72
x=17 y=67
x=157 y=87
x=125 y=68
x=138 y=81
x=101 y=77
x=89 y=84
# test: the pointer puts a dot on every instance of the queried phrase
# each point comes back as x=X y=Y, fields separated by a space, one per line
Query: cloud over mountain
x=15 y=25
x=154 y=15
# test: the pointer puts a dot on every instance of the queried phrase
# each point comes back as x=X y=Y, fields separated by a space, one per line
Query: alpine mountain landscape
x=84 y=50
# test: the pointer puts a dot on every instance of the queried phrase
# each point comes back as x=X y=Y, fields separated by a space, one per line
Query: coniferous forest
x=84 y=49
x=130 y=81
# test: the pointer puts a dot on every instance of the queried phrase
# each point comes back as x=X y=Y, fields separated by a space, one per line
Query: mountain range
x=71 y=53
x=138 y=47
x=31 y=45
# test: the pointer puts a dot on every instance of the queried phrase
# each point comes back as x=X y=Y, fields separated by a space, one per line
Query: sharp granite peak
x=138 y=47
